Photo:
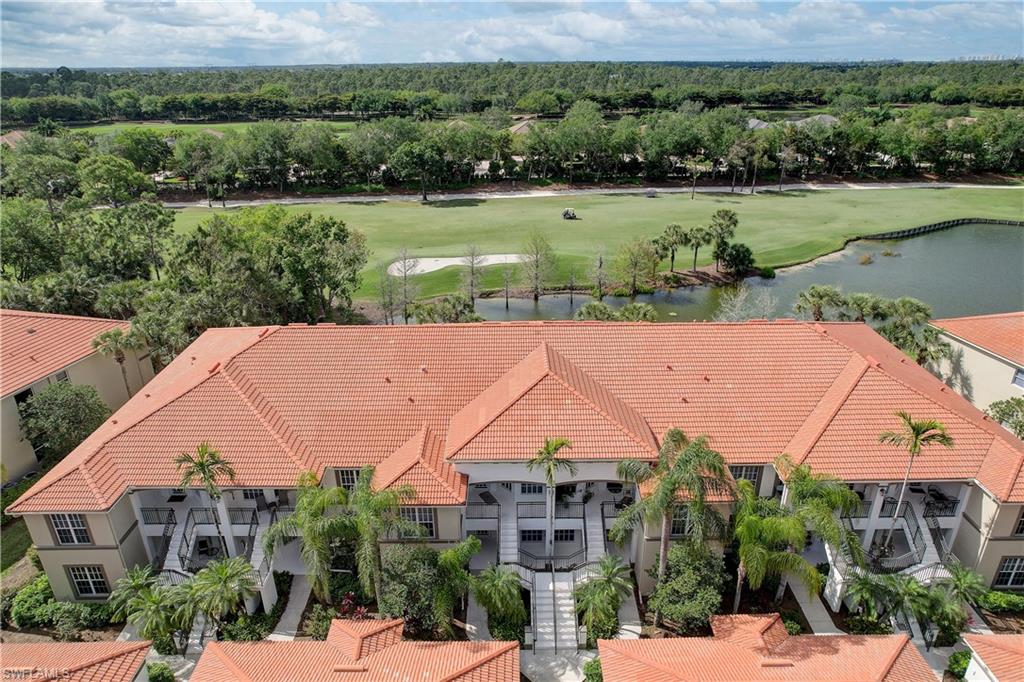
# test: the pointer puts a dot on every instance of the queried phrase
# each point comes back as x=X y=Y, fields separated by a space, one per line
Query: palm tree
x=914 y=435
x=819 y=500
x=136 y=580
x=221 y=588
x=116 y=343
x=765 y=531
x=316 y=527
x=964 y=585
x=903 y=593
x=866 y=591
x=683 y=477
x=598 y=600
x=453 y=581
x=164 y=612
x=371 y=516
x=670 y=241
x=723 y=227
x=817 y=298
x=695 y=238
x=498 y=592
x=203 y=468
x=866 y=306
x=548 y=461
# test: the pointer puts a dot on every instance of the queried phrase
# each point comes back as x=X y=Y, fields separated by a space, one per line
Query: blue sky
x=184 y=33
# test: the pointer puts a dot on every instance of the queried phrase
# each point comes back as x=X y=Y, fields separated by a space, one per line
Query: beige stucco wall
x=976 y=374
x=102 y=373
x=449 y=523
x=986 y=533
x=648 y=547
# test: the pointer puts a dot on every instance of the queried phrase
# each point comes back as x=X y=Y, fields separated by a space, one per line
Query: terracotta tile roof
x=1001 y=334
x=73 y=661
x=279 y=400
x=420 y=463
x=35 y=345
x=1001 y=654
x=359 y=651
x=757 y=647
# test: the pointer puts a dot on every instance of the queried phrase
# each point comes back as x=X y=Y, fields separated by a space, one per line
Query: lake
x=965 y=270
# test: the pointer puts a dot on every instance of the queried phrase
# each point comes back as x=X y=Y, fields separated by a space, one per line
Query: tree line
x=67 y=94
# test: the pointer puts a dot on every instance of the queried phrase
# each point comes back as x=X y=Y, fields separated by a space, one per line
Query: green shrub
x=793 y=626
x=33 y=556
x=410 y=577
x=67 y=618
x=506 y=630
x=164 y=645
x=823 y=568
x=957 y=664
x=603 y=628
x=318 y=621
x=342 y=584
x=30 y=608
x=1002 y=602
x=158 y=671
x=9 y=495
x=6 y=601
x=692 y=590
x=248 y=628
x=767 y=273
x=862 y=624
x=592 y=671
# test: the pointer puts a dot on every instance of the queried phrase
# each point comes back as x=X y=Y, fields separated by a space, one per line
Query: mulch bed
x=34 y=635
x=1004 y=623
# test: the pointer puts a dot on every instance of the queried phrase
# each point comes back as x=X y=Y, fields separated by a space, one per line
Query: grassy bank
x=781 y=229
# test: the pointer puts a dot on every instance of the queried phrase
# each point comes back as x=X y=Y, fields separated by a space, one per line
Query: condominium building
x=986 y=362
x=40 y=349
x=457 y=411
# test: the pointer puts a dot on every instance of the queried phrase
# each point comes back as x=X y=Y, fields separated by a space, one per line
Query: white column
x=137 y=508
x=549 y=508
x=872 y=523
x=221 y=509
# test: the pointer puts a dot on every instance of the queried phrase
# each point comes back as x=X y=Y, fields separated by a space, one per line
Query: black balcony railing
x=482 y=511
x=569 y=510
x=941 y=508
x=156 y=516
x=532 y=510
x=242 y=516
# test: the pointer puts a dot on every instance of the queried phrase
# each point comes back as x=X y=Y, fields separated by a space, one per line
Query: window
x=61 y=376
x=347 y=478
x=70 y=529
x=565 y=535
x=531 y=488
x=1019 y=528
x=252 y=493
x=749 y=473
x=89 y=581
x=1010 y=572
x=1018 y=378
x=423 y=516
x=531 y=536
x=680 y=522
x=22 y=397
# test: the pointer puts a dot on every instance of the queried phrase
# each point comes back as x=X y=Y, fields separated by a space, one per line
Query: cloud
x=351 y=14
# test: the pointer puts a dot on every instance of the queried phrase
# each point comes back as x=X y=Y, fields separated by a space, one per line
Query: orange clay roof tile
x=359 y=651
x=1001 y=334
x=284 y=399
x=35 y=345
x=73 y=661
x=1002 y=654
x=757 y=647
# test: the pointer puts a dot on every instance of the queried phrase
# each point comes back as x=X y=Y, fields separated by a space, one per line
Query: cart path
x=534 y=193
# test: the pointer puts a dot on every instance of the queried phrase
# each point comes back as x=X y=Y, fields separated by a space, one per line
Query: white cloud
x=351 y=14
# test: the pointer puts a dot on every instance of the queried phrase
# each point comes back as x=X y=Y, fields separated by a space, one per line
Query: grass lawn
x=343 y=127
x=14 y=542
x=781 y=229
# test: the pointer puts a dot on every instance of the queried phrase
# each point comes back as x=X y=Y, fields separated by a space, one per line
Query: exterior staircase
x=508 y=536
x=555 y=629
x=594 y=527
x=171 y=562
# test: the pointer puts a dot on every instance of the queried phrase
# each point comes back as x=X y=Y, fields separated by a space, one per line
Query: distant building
x=758 y=647
x=995 y=658
x=74 y=661
x=987 y=362
x=39 y=349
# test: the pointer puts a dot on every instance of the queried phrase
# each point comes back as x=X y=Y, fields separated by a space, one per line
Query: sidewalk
x=814 y=611
x=288 y=626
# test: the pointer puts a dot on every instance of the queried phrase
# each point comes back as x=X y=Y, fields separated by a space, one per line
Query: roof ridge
x=92 y=484
x=259 y=415
x=437 y=474
x=131 y=647
x=216 y=648
x=12 y=312
x=997 y=640
x=499 y=651
x=894 y=657
x=1012 y=313
x=422 y=434
x=600 y=410
x=845 y=395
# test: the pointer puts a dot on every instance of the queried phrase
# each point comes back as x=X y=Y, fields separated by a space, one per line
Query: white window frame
x=73 y=527
x=744 y=471
x=91 y=577
x=1018 y=378
x=425 y=517
x=1013 y=566
x=680 y=515
x=347 y=478
x=560 y=535
x=531 y=488
x=62 y=375
x=539 y=532
x=252 y=493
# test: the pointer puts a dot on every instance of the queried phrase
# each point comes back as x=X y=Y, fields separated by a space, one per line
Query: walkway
x=532 y=193
x=814 y=611
x=288 y=626
x=552 y=667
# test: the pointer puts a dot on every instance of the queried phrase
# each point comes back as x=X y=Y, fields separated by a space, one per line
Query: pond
x=966 y=270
